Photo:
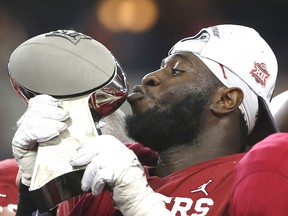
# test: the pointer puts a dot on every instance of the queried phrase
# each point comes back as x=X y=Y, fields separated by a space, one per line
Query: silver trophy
x=89 y=83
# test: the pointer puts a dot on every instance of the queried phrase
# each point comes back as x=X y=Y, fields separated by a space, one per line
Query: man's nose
x=151 y=79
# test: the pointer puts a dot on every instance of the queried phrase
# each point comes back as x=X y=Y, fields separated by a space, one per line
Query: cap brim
x=265 y=124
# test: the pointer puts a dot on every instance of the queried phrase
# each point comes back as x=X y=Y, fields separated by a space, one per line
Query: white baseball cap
x=239 y=57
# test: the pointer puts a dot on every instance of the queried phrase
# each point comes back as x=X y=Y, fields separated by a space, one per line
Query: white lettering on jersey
x=10 y=207
x=203 y=210
x=181 y=205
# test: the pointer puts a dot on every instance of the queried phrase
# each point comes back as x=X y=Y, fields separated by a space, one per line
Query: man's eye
x=176 y=71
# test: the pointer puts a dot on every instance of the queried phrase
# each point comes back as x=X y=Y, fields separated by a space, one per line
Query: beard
x=173 y=122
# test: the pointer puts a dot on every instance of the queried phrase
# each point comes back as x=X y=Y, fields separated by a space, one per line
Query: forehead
x=183 y=57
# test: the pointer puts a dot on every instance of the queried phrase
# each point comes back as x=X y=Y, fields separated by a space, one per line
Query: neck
x=180 y=157
x=174 y=159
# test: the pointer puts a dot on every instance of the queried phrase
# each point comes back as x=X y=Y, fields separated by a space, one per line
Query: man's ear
x=226 y=100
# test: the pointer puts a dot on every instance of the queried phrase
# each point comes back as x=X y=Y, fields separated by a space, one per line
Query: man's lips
x=132 y=98
x=137 y=95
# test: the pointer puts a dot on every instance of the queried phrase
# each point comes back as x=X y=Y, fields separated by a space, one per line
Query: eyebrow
x=179 y=55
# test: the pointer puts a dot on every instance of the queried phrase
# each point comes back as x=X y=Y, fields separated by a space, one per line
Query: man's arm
x=261 y=180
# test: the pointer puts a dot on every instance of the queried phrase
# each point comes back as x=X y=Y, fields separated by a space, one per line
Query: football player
x=197 y=112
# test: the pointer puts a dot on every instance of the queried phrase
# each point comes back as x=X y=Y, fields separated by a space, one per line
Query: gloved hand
x=42 y=121
x=111 y=162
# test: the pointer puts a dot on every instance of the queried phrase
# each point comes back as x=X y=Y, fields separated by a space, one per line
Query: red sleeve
x=8 y=187
x=261 y=179
x=145 y=155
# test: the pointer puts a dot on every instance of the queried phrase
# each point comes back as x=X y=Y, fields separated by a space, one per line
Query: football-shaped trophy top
x=61 y=63
x=67 y=64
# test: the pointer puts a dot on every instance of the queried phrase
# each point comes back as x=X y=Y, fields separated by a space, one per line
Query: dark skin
x=218 y=130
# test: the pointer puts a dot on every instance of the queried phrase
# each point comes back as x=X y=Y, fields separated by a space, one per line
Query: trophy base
x=58 y=190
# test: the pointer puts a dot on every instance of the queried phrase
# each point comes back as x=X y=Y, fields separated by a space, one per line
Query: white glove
x=111 y=162
x=41 y=122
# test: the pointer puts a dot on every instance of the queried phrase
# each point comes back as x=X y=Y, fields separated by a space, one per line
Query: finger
x=41 y=111
x=90 y=172
x=48 y=131
x=85 y=153
x=39 y=100
x=38 y=130
x=102 y=177
x=97 y=187
x=43 y=99
x=50 y=112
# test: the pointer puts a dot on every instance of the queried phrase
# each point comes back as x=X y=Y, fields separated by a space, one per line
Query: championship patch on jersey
x=260 y=73
x=71 y=35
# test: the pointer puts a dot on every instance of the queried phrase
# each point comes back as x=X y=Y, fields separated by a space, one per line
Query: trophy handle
x=54 y=179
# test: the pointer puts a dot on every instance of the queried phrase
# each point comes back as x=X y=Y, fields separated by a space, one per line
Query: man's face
x=167 y=107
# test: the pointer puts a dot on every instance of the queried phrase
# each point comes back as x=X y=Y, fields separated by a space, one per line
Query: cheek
x=143 y=105
x=176 y=92
x=169 y=95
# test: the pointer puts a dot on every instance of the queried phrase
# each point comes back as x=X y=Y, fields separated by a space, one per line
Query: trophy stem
x=50 y=184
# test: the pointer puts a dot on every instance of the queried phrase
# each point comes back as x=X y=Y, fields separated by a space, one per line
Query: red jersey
x=261 y=179
x=8 y=187
x=200 y=189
